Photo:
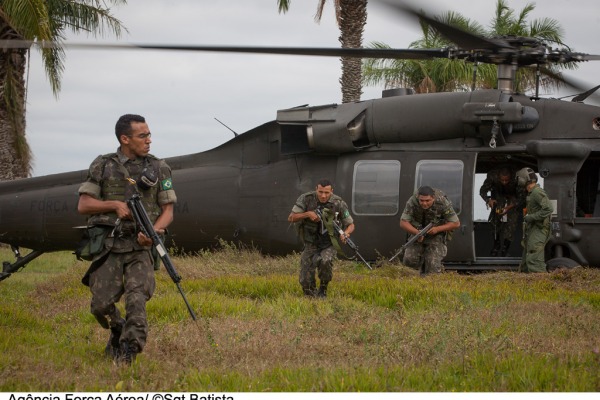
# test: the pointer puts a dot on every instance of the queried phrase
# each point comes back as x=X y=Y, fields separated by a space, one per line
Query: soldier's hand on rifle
x=491 y=203
x=313 y=216
x=343 y=237
x=434 y=231
x=122 y=210
x=144 y=240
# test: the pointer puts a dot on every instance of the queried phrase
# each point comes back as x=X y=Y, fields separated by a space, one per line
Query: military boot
x=129 y=351
x=113 y=348
x=322 y=293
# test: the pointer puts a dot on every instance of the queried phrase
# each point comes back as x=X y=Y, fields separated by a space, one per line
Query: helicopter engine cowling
x=334 y=129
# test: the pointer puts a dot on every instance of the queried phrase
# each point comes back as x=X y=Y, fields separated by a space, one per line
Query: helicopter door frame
x=382 y=229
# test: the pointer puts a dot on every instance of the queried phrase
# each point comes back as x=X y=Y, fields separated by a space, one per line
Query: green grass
x=382 y=330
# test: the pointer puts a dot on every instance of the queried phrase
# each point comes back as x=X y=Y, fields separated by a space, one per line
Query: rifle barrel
x=143 y=221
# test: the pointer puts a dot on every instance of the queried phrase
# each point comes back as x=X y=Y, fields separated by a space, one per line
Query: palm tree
x=455 y=75
x=38 y=20
x=351 y=16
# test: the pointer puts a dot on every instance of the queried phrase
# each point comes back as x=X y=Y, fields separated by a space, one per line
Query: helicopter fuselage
x=377 y=152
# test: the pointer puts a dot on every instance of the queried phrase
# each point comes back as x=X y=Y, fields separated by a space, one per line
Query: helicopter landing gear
x=560 y=262
x=8 y=268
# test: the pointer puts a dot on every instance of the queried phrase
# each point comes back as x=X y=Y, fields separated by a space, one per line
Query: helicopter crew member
x=319 y=236
x=124 y=265
x=536 y=222
x=425 y=206
x=499 y=191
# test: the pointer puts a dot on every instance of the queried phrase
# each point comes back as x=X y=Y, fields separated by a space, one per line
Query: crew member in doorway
x=499 y=191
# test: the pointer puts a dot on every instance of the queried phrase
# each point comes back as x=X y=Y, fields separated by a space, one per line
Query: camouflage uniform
x=319 y=251
x=124 y=267
x=536 y=231
x=427 y=255
x=504 y=226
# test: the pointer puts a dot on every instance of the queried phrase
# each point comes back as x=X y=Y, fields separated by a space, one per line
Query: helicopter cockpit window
x=376 y=187
x=446 y=175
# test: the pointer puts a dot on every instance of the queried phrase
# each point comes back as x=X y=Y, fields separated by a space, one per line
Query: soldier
x=319 y=237
x=428 y=205
x=536 y=223
x=499 y=191
x=123 y=264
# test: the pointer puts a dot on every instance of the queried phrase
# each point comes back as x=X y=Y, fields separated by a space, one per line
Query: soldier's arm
x=89 y=205
x=407 y=226
x=298 y=216
x=448 y=226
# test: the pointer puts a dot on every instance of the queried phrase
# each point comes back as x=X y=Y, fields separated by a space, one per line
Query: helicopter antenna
x=475 y=65
x=234 y=132
x=537 y=81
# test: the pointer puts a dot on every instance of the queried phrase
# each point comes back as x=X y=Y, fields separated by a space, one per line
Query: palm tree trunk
x=353 y=17
x=15 y=154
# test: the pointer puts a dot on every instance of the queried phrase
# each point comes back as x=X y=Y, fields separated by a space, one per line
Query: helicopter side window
x=446 y=175
x=376 y=187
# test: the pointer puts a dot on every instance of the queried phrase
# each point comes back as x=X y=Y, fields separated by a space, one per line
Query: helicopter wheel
x=560 y=262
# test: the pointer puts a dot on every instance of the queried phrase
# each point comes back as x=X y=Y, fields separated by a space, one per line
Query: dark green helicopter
x=377 y=152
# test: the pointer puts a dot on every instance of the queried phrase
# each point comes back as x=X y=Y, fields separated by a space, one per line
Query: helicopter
x=377 y=152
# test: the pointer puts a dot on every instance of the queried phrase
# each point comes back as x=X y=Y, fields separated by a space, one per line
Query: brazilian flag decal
x=167 y=184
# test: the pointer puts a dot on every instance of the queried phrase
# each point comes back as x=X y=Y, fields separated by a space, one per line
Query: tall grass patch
x=383 y=330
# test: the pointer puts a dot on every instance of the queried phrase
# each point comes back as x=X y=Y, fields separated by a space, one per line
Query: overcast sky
x=181 y=93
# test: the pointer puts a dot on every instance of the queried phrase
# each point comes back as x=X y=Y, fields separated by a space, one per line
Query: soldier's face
x=324 y=193
x=137 y=143
x=504 y=180
x=425 y=202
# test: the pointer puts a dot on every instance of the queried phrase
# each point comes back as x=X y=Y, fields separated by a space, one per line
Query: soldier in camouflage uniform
x=425 y=206
x=499 y=191
x=124 y=265
x=319 y=237
x=536 y=223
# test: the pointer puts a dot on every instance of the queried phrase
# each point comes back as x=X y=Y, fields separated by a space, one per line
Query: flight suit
x=536 y=230
x=319 y=250
x=427 y=255
x=124 y=267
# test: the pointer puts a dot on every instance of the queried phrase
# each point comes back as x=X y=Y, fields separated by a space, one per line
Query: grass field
x=383 y=330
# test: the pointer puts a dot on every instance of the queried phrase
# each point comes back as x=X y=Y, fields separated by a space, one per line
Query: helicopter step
x=485 y=264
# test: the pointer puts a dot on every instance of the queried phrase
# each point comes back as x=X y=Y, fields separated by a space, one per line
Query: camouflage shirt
x=439 y=213
x=504 y=194
x=316 y=232
x=107 y=180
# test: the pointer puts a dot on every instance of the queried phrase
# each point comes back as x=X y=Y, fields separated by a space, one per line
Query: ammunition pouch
x=92 y=243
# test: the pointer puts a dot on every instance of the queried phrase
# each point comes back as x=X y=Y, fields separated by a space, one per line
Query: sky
x=181 y=94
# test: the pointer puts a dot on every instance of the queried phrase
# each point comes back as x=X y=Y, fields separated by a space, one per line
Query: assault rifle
x=349 y=241
x=413 y=239
x=143 y=222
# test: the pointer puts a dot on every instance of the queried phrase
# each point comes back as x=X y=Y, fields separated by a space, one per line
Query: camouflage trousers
x=505 y=230
x=130 y=274
x=321 y=260
x=427 y=256
x=534 y=243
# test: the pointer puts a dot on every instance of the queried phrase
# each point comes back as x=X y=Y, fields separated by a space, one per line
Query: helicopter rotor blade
x=408 y=54
x=584 y=91
x=464 y=39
